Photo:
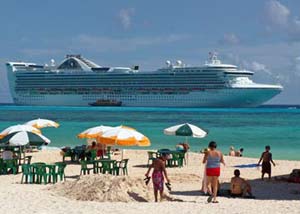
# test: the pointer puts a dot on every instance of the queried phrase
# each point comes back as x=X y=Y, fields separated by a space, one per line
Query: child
x=159 y=172
x=266 y=158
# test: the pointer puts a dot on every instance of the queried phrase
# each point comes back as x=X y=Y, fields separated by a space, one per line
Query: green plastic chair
x=69 y=153
x=40 y=173
x=60 y=171
x=116 y=168
x=177 y=160
x=27 y=173
x=11 y=165
x=123 y=166
x=107 y=154
x=50 y=175
x=107 y=166
x=151 y=156
x=84 y=167
x=2 y=167
x=93 y=155
x=182 y=158
x=38 y=170
x=27 y=159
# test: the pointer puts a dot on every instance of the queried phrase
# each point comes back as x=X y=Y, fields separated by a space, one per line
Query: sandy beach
x=271 y=196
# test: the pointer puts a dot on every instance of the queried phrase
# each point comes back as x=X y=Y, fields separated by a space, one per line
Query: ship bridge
x=77 y=62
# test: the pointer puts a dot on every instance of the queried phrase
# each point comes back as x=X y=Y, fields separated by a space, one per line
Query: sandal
x=215 y=202
x=209 y=199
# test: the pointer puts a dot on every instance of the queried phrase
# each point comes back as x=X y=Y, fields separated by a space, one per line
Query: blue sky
x=259 y=35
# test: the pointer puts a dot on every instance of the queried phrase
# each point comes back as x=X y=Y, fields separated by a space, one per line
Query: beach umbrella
x=123 y=136
x=22 y=138
x=18 y=128
x=187 y=130
x=93 y=132
x=42 y=123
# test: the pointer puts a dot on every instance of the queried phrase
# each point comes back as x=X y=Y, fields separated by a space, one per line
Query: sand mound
x=105 y=188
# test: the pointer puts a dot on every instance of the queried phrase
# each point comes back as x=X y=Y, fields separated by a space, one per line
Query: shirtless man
x=239 y=187
x=266 y=158
x=159 y=172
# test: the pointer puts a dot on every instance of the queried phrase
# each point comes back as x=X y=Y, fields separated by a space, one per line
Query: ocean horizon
x=248 y=128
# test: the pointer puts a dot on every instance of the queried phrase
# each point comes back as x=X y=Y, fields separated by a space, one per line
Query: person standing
x=266 y=158
x=159 y=172
x=212 y=159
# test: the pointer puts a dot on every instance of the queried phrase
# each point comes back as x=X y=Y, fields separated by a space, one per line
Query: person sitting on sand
x=239 y=187
x=231 y=151
x=266 y=158
x=159 y=172
x=239 y=153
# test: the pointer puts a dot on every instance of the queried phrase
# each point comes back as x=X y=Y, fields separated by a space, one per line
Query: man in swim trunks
x=159 y=172
x=239 y=187
x=266 y=158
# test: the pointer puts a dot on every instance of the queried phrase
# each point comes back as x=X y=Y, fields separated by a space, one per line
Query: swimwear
x=266 y=167
x=158 y=180
x=213 y=166
x=213 y=171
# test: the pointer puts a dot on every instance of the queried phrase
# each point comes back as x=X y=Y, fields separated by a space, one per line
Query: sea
x=248 y=128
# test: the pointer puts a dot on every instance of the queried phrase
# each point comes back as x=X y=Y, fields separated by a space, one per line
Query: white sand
x=85 y=195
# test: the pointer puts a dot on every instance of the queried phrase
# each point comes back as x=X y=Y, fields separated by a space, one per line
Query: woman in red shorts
x=213 y=158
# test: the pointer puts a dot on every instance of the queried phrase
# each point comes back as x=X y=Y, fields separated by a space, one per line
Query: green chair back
x=123 y=166
x=107 y=166
x=60 y=171
x=151 y=156
x=11 y=165
x=27 y=173
x=84 y=167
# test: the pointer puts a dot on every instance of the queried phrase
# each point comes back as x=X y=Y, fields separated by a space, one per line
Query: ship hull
x=230 y=97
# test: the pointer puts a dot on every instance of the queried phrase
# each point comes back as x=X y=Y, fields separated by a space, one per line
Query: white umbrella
x=123 y=136
x=23 y=138
x=93 y=132
x=187 y=130
x=42 y=123
x=18 y=128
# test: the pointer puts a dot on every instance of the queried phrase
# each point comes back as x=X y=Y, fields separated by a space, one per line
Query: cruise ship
x=77 y=81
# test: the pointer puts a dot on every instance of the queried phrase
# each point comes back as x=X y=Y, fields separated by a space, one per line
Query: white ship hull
x=235 y=97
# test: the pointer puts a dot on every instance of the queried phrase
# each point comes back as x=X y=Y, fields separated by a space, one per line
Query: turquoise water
x=251 y=128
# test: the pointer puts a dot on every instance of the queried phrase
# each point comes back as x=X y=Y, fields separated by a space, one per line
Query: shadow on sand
x=274 y=189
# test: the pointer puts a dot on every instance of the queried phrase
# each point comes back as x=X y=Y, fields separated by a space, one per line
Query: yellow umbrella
x=93 y=132
x=123 y=136
x=42 y=123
